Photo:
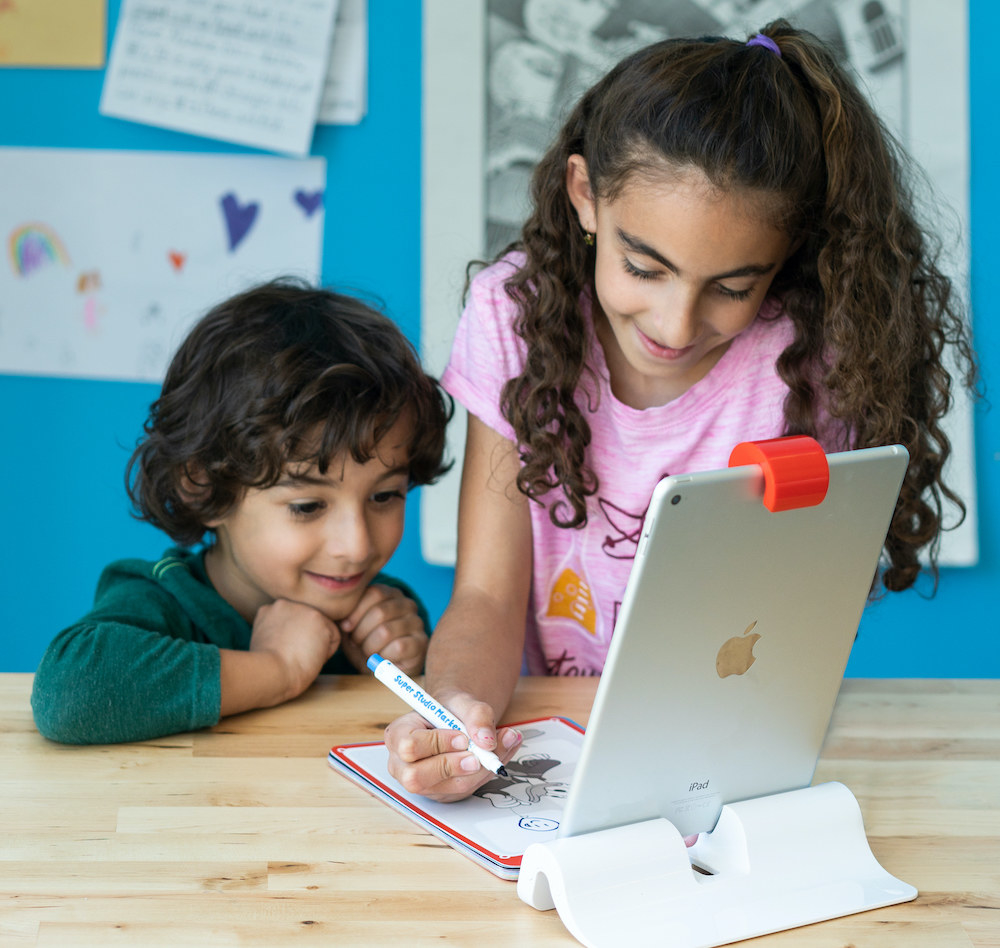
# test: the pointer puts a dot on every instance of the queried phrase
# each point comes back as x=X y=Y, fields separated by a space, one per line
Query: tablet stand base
x=777 y=862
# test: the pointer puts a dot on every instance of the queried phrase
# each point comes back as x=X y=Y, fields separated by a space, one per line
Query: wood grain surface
x=242 y=835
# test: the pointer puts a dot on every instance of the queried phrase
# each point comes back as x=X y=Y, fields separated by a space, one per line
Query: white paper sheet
x=345 y=92
x=110 y=256
x=237 y=70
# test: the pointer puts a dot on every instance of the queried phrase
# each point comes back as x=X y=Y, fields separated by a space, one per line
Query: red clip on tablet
x=796 y=472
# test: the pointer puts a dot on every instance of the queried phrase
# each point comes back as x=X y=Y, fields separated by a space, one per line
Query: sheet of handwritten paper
x=109 y=256
x=345 y=92
x=242 y=71
x=67 y=33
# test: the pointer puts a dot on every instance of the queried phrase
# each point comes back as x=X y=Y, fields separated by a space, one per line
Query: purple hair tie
x=761 y=40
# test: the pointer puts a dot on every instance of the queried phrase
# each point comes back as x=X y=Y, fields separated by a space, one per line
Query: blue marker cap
x=374 y=660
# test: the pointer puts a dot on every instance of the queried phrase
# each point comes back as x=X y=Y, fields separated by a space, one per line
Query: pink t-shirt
x=579 y=575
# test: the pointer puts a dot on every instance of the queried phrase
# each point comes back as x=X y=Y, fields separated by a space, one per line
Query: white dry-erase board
x=495 y=825
x=491 y=108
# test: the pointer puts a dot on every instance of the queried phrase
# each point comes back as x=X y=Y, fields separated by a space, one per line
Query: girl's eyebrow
x=641 y=247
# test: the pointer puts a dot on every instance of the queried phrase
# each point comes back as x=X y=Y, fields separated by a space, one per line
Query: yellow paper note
x=52 y=33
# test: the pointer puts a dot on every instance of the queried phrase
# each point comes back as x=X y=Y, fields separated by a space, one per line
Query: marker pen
x=429 y=709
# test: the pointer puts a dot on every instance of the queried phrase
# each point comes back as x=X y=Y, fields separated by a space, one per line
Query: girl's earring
x=588 y=238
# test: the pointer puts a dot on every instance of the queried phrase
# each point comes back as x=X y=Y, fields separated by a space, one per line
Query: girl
x=291 y=424
x=722 y=248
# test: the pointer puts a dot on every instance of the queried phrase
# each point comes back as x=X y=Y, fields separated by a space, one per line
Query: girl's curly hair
x=283 y=373
x=876 y=321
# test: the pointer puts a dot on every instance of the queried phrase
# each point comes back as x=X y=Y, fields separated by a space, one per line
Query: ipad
x=730 y=644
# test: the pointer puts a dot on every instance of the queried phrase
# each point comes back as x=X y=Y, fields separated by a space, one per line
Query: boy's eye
x=387 y=496
x=305 y=508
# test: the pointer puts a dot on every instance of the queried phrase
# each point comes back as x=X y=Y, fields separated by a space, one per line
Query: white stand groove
x=778 y=862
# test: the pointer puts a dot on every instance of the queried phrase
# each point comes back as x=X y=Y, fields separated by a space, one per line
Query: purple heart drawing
x=239 y=218
x=309 y=201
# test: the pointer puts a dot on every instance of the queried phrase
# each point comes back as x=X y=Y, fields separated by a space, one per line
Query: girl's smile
x=661 y=352
x=681 y=269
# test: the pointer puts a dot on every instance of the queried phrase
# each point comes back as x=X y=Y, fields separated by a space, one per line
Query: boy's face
x=311 y=538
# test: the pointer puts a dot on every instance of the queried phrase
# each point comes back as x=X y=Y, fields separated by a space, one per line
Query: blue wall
x=65 y=442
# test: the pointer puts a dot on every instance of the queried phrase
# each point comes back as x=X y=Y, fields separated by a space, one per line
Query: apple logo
x=736 y=654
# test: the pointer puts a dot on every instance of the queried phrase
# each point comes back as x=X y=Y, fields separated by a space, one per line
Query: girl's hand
x=435 y=762
x=385 y=620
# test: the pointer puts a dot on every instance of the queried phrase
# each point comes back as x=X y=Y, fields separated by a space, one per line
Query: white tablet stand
x=777 y=862
x=771 y=863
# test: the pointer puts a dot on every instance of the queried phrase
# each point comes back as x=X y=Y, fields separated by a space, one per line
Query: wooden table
x=241 y=835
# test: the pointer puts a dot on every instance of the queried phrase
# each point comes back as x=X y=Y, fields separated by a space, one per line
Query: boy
x=291 y=424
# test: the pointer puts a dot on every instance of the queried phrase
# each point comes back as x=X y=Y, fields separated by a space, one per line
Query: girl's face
x=681 y=270
x=317 y=539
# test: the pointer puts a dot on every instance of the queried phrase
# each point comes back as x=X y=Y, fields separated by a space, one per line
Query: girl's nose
x=677 y=317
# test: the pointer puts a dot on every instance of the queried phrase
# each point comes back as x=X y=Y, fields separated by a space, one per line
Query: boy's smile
x=317 y=539
x=336 y=583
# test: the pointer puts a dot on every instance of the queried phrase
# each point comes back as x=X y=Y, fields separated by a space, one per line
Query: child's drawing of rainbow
x=32 y=246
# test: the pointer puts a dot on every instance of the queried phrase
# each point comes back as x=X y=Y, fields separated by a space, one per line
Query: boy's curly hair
x=874 y=316
x=282 y=373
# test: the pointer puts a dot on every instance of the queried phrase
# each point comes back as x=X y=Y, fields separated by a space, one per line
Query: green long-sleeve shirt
x=144 y=662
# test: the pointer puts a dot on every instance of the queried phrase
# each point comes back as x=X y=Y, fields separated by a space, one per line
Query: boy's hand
x=385 y=620
x=300 y=637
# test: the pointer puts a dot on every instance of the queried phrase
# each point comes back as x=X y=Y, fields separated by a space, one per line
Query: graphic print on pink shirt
x=623 y=542
x=571 y=596
x=571 y=599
